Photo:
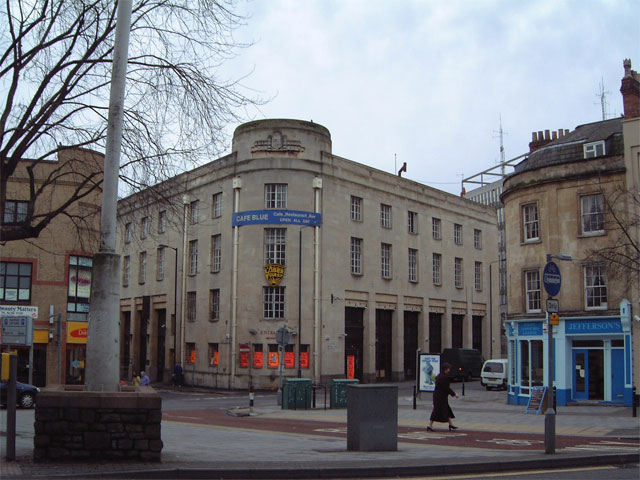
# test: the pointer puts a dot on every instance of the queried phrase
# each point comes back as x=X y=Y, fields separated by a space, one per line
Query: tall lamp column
x=175 y=299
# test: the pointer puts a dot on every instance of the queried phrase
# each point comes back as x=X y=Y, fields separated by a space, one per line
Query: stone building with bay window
x=562 y=201
x=363 y=267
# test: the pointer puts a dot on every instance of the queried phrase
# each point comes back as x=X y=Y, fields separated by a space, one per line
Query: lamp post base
x=550 y=431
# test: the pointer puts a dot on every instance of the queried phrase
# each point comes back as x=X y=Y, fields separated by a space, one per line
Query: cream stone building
x=363 y=267
x=558 y=202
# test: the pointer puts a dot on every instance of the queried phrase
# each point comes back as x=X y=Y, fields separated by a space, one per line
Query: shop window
x=213 y=355
x=304 y=356
x=258 y=356
x=531 y=364
x=79 y=292
x=273 y=359
x=289 y=356
x=15 y=281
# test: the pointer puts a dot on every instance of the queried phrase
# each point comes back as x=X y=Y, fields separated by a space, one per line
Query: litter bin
x=339 y=386
x=296 y=393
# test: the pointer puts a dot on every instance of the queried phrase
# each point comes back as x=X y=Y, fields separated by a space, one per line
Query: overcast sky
x=426 y=82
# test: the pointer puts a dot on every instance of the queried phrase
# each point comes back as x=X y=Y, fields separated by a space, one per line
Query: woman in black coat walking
x=441 y=410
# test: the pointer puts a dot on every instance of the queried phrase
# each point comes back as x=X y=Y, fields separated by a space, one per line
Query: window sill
x=354 y=274
x=531 y=241
x=599 y=233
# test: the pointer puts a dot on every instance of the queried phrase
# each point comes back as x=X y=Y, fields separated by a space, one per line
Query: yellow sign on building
x=274 y=273
x=77 y=332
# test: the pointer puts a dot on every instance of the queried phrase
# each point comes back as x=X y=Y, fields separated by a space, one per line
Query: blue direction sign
x=551 y=279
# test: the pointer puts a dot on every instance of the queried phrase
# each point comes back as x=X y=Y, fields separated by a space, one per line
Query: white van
x=494 y=374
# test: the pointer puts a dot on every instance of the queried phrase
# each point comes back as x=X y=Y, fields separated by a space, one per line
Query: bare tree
x=55 y=67
x=621 y=255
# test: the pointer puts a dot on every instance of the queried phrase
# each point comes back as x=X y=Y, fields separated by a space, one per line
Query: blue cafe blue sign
x=276 y=217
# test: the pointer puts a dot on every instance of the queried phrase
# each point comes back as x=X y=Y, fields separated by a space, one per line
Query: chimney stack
x=630 y=90
x=540 y=139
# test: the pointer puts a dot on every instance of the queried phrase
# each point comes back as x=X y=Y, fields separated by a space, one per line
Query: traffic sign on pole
x=551 y=279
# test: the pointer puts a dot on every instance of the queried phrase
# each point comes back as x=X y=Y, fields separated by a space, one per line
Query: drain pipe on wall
x=317 y=186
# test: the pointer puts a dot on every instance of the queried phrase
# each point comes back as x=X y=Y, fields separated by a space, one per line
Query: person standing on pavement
x=177 y=375
x=145 y=379
x=441 y=410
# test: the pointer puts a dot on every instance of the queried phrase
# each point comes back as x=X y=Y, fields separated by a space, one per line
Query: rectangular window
x=191 y=306
x=530 y=222
x=413 y=265
x=144 y=227
x=14 y=212
x=162 y=221
x=275 y=243
x=457 y=272
x=478 y=276
x=595 y=282
x=142 y=267
x=356 y=256
x=193 y=257
x=160 y=263
x=531 y=364
x=194 y=212
x=592 y=212
x=385 y=260
x=289 y=356
x=477 y=238
x=216 y=205
x=437 y=269
x=273 y=357
x=214 y=305
x=275 y=195
x=15 y=281
x=79 y=294
x=412 y=222
x=457 y=234
x=273 y=302
x=258 y=356
x=356 y=209
x=532 y=290
x=385 y=215
x=127 y=233
x=436 y=227
x=594 y=149
x=213 y=355
x=190 y=350
x=126 y=270
x=216 y=252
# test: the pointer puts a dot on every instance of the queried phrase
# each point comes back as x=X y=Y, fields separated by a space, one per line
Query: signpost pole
x=550 y=413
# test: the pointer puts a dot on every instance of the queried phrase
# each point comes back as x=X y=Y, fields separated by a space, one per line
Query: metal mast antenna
x=501 y=134
x=603 y=99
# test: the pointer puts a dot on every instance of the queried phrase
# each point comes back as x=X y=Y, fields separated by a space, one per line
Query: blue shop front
x=592 y=358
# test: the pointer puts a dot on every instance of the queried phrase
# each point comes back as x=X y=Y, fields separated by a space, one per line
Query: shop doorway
x=588 y=374
x=435 y=332
x=383 y=344
x=353 y=328
x=617 y=375
x=410 y=344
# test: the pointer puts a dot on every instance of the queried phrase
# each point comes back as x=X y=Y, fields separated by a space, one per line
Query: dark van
x=466 y=363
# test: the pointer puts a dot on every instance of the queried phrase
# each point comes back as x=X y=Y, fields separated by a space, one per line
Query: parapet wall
x=79 y=425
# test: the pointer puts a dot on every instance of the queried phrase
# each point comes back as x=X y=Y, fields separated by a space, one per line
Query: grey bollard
x=372 y=418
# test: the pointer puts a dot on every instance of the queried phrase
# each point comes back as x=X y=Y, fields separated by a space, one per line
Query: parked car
x=25 y=394
x=494 y=374
x=466 y=363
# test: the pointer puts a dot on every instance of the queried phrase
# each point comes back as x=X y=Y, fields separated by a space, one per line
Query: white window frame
x=355 y=211
x=594 y=149
x=412 y=222
x=214 y=304
x=458 y=272
x=216 y=205
x=436 y=228
x=437 y=268
x=533 y=292
x=477 y=238
x=194 y=212
x=478 y=276
x=193 y=257
x=142 y=267
x=385 y=260
x=595 y=287
x=592 y=222
x=275 y=196
x=275 y=246
x=356 y=255
x=273 y=303
x=530 y=222
x=385 y=215
x=160 y=263
x=413 y=265
x=162 y=221
x=216 y=252
x=457 y=234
